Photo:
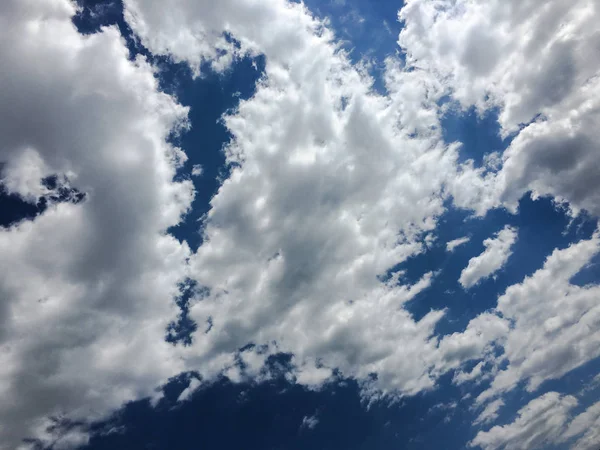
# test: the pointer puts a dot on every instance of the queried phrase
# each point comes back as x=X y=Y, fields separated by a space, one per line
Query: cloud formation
x=331 y=186
x=497 y=251
x=197 y=170
x=544 y=421
x=539 y=423
x=537 y=64
x=555 y=324
x=585 y=428
x=309 y=422
x=490 y=412
x=451 y=245
x=86 y=289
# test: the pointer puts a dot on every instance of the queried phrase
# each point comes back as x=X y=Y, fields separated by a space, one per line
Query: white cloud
x=594 y=383
x=331 y=191
x=539 y=423
x=477 y=373
x=532 y=61
x=446 y=43
x=555 y=324
x=72 y=438
x=309 y=422
x=490 y=412
x=508 y=55
x=478 y=340
x=585 y=429
x=297 y=236
x=330 y=188
x=197 y=170
x=545 y=421
x=312 y=376
x=450 y=246
x=86 y=289
x=192 y=31
x=331 y=185
x=444 y=406
x=186 y=394
x=544 y=327
x=23 y=175
x=448 y=409
x=496 y=254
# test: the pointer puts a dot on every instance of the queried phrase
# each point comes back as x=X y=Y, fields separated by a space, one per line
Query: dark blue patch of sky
x=542 y=227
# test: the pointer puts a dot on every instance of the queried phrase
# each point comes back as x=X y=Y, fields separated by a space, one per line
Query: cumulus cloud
x=545 y=421
x=476 y=373
x=537 y=64
x=331 y=185
x=329 y=188
x=482 y=335
x=194 y=31
x=539 y=423
x=496 y=254
x=186 y=394
x=23 y=175
x=540 y=330
x=321 y=204
x=309 y=422
x=585 y=429
x=555 y=325
x=86 y=288
x=197 y=170
x=490 y=412
x=504 y=54
x=298 y=234
x=450 y=246
x=272 y=252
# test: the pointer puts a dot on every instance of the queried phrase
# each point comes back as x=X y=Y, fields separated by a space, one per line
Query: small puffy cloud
x=312 y=376
x=476 y=373
x=497 y=251
x=447 y=409
x=444 y=406
x=539 y=423
x=490 y=412
x=478 y=340
x=450 y=246
x=309 y=422
x=197 y=170
x=186 y=394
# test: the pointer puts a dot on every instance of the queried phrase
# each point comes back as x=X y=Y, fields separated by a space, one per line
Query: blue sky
x=228 y=225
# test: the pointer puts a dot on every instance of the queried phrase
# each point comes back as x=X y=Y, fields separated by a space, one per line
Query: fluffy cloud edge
x=497 y=252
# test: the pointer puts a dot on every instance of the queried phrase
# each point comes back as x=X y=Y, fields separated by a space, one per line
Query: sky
x=272 y=224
